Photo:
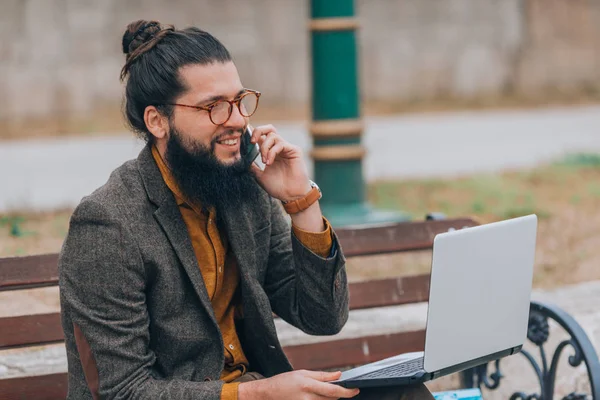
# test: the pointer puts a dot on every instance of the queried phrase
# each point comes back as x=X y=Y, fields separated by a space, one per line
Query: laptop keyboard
x=407 y=368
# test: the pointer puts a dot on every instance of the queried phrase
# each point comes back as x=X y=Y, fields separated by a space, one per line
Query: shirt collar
x=168 y=177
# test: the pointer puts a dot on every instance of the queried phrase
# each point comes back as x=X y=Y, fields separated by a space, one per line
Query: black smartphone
x=252 y=151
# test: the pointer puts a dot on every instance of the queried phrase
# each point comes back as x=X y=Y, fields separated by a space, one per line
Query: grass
x=490 y=196
x=565 y=195
x=581 y=160
x=33 y=233
x=545 y=190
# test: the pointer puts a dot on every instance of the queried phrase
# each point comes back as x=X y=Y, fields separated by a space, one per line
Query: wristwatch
x=295 y=206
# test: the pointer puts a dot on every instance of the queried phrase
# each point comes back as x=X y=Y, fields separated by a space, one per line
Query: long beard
x=203 y=179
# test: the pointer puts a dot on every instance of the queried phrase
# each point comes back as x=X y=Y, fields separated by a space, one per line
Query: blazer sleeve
x=104 y=314
x=305 y=289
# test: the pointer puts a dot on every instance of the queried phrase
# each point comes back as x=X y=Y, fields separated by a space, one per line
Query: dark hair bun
x=138 y=33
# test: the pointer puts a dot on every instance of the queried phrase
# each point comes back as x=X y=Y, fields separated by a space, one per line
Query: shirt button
x=220 y=269
x=231 y=347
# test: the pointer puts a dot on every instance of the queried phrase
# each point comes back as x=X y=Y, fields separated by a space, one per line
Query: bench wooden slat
x=46 y=328
x=41 y=387
x=389 y=292
x=404 y=236
x=42 y=270
x=28 y=272
x=350 y=352
x=317 y=356
x=30 y=330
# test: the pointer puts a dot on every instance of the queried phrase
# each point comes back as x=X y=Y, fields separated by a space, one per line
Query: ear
x=157 y=124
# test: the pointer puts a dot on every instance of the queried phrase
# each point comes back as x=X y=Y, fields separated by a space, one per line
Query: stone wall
x=561 y=48
x=61 y=58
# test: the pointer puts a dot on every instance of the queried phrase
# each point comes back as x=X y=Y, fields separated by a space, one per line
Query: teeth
x=230 y=142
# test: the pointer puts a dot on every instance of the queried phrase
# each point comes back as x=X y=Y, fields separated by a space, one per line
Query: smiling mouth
x=228 y=142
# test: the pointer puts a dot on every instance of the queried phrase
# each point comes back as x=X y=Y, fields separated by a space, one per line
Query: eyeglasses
x=220 y=111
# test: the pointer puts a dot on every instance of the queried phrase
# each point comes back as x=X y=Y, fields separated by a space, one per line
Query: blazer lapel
x=239 y=226
x=169 y=218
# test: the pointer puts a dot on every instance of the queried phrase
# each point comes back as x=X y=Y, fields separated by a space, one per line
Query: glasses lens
x=248 y=104
x=220 y=112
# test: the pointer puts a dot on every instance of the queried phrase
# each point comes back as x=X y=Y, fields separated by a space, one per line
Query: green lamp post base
x=336 y=126
x=344 y=215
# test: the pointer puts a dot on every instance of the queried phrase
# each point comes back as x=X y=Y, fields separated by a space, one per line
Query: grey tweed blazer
x=137 y=319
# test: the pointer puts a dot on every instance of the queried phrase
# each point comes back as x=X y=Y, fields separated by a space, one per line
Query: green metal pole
x=337 y=126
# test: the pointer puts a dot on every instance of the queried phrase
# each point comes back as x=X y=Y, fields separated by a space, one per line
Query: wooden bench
x=42 y=329
x=404 y=290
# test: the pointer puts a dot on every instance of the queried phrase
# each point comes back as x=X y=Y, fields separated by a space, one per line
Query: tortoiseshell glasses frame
x=220 y=111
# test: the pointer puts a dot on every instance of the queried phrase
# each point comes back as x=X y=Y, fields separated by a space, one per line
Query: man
x=171 y=271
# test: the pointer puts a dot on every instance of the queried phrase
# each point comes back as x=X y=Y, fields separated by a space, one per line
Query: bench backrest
x=30 y=330
x=395 y=238
x=41 y=271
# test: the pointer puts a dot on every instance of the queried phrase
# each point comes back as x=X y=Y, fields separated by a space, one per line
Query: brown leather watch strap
x=302 y=204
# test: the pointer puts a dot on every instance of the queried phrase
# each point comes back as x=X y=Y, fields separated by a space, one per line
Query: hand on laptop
x=301 y=384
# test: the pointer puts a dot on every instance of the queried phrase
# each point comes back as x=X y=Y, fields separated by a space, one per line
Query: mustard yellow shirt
x=221 y=276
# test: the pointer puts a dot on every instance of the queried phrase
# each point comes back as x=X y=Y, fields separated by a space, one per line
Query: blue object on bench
x=464 y=394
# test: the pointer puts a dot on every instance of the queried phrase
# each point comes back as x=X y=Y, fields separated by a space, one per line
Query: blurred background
x=481 y=108
x=61 y=58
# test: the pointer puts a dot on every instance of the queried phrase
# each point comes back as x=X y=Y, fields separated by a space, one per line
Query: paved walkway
x=56 y=173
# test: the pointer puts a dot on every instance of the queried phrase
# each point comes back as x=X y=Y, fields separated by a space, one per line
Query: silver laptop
x=479 y=297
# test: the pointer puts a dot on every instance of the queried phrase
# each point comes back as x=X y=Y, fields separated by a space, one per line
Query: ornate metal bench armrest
x=538 y=332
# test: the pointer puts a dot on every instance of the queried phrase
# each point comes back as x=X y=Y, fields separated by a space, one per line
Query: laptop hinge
x=516 y=349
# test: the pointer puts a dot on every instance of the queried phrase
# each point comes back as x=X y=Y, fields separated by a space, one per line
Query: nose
x=236 y=121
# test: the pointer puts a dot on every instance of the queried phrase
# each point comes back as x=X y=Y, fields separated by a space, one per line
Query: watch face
x=315 y=185
x=318 y=188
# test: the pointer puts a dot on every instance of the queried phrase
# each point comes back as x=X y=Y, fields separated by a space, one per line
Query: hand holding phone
x=252 y=151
